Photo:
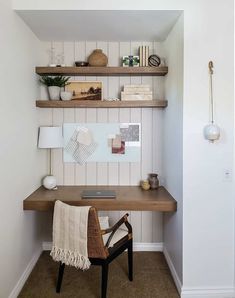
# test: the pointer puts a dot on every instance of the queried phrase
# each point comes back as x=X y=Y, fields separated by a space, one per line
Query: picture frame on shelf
x=85 y=90
x=130 y=61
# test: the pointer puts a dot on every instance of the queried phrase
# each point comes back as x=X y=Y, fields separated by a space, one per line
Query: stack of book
x=136 y=92
x=144 y=55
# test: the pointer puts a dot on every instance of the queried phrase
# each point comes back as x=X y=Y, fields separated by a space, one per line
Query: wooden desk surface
x=128 y=198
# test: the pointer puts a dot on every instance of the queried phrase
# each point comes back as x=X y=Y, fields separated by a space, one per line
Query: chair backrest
x=96 y=248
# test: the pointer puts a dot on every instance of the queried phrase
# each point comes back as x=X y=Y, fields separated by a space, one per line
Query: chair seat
x=118 y=235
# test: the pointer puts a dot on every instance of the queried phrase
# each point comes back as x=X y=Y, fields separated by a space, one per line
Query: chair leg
x=130 y=260
x=105 y=270
x=60 y=277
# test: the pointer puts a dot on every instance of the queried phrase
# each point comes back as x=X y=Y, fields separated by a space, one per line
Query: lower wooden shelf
x=101 y=104
x=131 y=198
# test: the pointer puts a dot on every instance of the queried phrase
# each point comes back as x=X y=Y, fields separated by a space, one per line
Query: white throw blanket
x=70 y=235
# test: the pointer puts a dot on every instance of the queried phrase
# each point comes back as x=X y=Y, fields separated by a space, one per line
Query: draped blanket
x=70 y=225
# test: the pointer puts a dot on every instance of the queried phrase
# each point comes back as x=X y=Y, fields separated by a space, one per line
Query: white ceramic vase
x=54 y=92
x=66 y=95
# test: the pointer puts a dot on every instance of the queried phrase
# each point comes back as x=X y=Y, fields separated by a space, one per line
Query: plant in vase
x=54 y=85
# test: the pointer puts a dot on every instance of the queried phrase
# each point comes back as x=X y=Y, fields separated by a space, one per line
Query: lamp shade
x=50 y=137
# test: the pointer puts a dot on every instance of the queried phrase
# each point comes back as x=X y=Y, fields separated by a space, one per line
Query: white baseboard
x=140 y=246
x=174 y=274
x=18 y=287
x=208 y=293
x=137 y=246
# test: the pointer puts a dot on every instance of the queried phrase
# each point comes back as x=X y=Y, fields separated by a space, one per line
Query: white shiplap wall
x=147 y=225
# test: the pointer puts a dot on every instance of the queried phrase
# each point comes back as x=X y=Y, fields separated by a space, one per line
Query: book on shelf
x=144 y=55
x=137 y=88
x=141 y=55
x=137 y=96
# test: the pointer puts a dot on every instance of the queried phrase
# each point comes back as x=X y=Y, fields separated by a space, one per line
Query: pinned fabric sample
x=81 y=145
x=120 y=150
x=84 y=136
x=116 y=142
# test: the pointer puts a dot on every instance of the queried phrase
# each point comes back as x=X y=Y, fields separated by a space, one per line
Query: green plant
x=59 y=81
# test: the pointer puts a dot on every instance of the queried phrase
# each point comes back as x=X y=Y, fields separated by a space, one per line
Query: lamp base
x=49 y=182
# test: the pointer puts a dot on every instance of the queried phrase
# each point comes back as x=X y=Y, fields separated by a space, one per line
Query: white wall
x=21 y=166
x=173 y=143
x=208 y=207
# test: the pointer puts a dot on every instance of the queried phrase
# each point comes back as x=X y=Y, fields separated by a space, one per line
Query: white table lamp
x=49 y=138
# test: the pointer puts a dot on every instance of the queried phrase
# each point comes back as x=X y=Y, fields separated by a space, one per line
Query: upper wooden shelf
x=102 y=71
x=101 y=104
x=127 y=198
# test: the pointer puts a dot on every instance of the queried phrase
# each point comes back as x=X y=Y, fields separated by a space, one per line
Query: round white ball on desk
x=49 y=182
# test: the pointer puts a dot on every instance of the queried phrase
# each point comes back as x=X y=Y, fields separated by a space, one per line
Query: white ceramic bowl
x=66 y=95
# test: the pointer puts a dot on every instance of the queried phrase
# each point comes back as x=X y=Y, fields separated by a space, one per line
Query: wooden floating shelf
x=102 y=71
x=101 y=104
x=127 y=198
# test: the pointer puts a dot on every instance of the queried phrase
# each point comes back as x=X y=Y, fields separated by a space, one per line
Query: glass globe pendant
x=211 y=130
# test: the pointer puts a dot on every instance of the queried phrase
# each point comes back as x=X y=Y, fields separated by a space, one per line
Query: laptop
x=98 y=194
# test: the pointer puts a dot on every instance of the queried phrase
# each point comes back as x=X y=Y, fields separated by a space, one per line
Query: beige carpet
x=152 y=279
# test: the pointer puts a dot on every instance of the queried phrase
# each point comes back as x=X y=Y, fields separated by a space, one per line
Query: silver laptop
x=98 y=194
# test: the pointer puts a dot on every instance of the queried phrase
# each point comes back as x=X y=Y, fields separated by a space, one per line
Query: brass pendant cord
x=210 y=65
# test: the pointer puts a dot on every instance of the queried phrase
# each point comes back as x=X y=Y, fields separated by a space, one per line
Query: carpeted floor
x=152 y=279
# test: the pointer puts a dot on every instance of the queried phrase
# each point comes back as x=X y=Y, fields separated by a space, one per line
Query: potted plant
x=54 y=85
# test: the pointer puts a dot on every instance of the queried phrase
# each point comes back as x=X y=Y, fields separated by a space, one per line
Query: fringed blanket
x=70 y=235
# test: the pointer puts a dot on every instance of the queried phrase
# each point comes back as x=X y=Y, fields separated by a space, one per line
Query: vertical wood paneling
x=135 y=167
x=158 y=86
x=124 y=167
x=69 y=168
x=91 y=169
x=57 y=157
x=69 y=53
x=102 y=167
x=147 y=226
x=104 y=47
x=45 y=60
x=80 y=170
x=113 y=167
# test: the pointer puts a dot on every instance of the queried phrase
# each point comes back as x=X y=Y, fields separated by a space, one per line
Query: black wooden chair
x=103 y=254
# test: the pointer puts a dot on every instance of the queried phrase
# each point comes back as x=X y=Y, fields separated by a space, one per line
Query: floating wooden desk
x=128 y=198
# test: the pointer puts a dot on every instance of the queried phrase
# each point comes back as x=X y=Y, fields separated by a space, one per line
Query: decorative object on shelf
x=50 y=137
x=136 y=92
x=153 y=181
x=86 y=90
x=130 y=61
x=81 y=63
x=111 y=99
x=145 y=184
x=144 y=54
x=60 y=60
x=98 y=58
x=52 y=62
x=66 y=95
x=154 y=60
x=54 y=85
x=211 y=130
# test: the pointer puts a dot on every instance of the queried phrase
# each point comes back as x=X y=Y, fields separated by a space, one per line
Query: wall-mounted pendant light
x=211 y=131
